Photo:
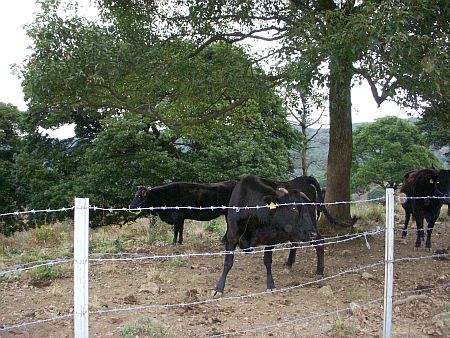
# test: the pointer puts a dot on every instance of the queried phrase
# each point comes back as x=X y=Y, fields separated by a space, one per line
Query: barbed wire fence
x=81 y=262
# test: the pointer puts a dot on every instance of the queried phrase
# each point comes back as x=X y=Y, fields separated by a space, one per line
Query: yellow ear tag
x=431 y=181
x=272 y=206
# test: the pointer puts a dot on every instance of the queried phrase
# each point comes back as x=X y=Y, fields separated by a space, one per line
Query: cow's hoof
x=416 y=248
x=216 y=294
x=270 y=290
x=428 y=249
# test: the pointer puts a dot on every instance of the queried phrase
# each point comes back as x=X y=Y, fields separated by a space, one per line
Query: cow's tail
x=333 y=221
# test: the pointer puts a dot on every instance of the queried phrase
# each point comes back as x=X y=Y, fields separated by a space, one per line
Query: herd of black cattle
x=284 y=216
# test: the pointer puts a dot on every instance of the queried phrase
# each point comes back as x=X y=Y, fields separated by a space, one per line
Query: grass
x=55 y=241
x=145 y=327
x=340 y=329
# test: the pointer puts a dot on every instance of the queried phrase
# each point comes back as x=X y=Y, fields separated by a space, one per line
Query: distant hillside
x=319 y=152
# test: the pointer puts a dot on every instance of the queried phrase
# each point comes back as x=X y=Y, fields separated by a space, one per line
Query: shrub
x=145 y=327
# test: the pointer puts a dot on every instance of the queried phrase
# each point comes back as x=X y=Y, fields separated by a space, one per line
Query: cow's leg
x=291 y=259
x=320 y=251
x=178 y=225
x=268 y=263
x=420 y=231
x=175 y=234
x=227 y=265
x=407 y=218
x=431 y=220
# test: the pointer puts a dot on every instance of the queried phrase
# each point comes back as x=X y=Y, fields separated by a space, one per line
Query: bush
x=145 y=327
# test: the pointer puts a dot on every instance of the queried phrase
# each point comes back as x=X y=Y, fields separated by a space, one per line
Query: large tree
x=399 y=47
x=146 y=110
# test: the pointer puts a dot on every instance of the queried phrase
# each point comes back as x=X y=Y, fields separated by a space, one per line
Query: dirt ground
x=315 y=310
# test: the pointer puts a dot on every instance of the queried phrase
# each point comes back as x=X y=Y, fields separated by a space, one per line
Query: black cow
x=268 y=226
x=423 y=183
x=183 y=194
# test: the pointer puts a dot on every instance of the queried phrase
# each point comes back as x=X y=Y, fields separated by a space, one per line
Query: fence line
x=219 y=253
x=48 y=263
x=231 y=298
x=334 y=312
x=77 y=262
x=17 y=213
x=237 y=208
x=207 y=301
x=255 y=250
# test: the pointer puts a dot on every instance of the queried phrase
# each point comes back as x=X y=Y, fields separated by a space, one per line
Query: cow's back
x=308 y=185
x=185 y=194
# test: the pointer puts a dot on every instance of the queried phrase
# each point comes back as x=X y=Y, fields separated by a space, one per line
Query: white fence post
x=388 y=263
x=80 y=269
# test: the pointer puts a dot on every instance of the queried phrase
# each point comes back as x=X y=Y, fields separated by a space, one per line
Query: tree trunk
x=340 y=149
x=305 y=146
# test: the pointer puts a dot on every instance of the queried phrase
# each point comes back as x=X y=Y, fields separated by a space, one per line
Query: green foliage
x=82 y=72
x=435 y=124
x=44 y=169
x=146 y=110
x=385 y=150
x=44 y=273
x=9 y=147
x=340 y=329
x=255 y=140
x=215 y=227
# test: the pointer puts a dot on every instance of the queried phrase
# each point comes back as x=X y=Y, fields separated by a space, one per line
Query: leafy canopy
x=387 y=149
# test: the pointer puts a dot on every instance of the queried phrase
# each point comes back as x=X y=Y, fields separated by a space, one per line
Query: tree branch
x=386 y=91
x=209 y=116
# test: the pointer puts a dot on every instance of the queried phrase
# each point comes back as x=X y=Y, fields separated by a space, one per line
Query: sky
x=14 y=41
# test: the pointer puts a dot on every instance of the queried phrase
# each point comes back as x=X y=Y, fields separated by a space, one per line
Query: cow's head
x=141 y=197
x=292 y=218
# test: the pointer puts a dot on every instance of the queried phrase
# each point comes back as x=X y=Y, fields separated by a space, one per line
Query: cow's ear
x=431 y=179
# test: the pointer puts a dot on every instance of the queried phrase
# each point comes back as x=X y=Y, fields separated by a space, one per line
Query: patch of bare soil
x=316 y=310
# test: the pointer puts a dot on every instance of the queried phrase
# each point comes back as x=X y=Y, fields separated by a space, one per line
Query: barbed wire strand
x=348 y=235
x=255 y=250
x=185 y=255
x=421 y=197
x=20 y=270
x=325 y=314
x=435 y=256
x=237 y=208
x=17 y=213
